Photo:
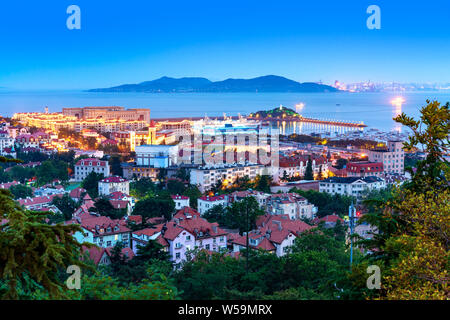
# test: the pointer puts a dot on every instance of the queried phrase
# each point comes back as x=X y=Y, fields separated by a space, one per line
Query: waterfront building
x=57 y=121
x=108 y=113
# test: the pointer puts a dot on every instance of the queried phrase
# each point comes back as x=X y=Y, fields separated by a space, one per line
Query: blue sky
x=134 y=41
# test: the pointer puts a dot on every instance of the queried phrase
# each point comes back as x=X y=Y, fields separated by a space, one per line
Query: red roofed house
x=8 y=185
x=37 y=203
x=77 y=194
x=207 y=202
x=274 y=234
x=102 y=256
x=330 y=220
x=180 y=201
x=102 y=231
x=365 y=168
x=292 y=204
x=187 y=231
x=295 y=165
x=141 y=237
x=85 y=166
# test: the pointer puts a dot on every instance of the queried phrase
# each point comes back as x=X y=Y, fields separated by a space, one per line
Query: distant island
x=286 y=114
x=277 y=113
x=268 y=83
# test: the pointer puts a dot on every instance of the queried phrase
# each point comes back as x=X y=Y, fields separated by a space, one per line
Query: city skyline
x=120 y=44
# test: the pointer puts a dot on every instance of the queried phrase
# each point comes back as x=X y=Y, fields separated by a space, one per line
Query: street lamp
x=246 y=211
x=351 y=216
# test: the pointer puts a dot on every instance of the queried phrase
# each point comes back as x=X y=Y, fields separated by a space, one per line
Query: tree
x=183 y=174
x=90 y=183
x=32 y=249
x=21 y=174
x=51 y=170
x=263 y=182
x=4 y=176
x=431 y=136
x=66 y=205
x=326 y=203
x=309 y=174
x=175 y=186
x=412 y=244
x=193 y=193
x=154 y=207
x=104 y=208
x=21 y=191
x=142 y=188
x=320 y=174
x=235 y=216
x=134 y=270
x=116 y=168
x=341 y=163
x=162 y=175
x=156 y=286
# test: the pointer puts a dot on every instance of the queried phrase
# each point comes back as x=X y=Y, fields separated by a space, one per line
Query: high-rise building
x=392 y=157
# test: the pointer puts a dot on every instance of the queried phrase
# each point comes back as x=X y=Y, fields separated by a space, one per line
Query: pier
x=334 y=123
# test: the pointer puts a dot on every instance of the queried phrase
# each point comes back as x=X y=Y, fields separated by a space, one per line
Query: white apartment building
x=85 y=166
x=113 y=184
x=393 y=158
x=207 y=176
x=291 y=204
x=206 y=202
x=180 y=201
x=351 y=186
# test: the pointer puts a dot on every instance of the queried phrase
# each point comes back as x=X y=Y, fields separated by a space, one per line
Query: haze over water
x=374 y=109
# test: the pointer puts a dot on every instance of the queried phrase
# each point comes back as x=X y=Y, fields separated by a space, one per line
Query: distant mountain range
x=191 y=84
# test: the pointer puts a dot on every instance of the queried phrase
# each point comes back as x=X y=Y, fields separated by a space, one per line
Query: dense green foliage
x=235 y=216
x=327 y=204
x=90 y=183
x=21 y=191
x=318 y=261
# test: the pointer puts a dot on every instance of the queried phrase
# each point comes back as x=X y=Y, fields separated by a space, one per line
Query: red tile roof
x=77 y=193
x=179 y=197
x=113 y=179
x=38 y=200
x=85 y=162
x=213 y=198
